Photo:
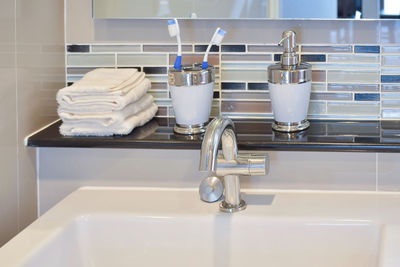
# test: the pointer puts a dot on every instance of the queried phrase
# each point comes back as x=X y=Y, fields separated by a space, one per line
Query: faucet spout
x=219 y=128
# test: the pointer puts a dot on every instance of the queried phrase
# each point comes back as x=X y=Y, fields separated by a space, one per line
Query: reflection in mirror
x=254 y=9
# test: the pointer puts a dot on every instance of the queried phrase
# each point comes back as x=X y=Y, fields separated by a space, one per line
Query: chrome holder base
x=190 y=129
x=225 y=207
x=290 y=126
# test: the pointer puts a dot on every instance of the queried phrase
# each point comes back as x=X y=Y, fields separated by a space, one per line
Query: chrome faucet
x=229 y=165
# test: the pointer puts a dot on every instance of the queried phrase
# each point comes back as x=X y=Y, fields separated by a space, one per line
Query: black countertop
x=332 y=135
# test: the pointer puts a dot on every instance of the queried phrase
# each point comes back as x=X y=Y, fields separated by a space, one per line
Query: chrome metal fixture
x=226 y=166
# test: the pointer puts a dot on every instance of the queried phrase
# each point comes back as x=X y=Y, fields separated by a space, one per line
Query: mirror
x=248 y=9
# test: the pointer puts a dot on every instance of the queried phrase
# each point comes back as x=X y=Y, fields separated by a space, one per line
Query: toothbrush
x=173 y=29
x=215 y=40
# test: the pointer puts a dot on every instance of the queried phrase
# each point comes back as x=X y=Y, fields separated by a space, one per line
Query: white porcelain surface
x=171 y=227
x=290 y=101
x=192 y=104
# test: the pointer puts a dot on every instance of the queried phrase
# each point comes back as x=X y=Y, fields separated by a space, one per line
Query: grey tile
x=244 y=75
x=98 y=60
x=360 y=76
x=233 y=48
x=352 y=87
x=390 y=87
x=392 y=60
x=202 y=48
x=331 y=96
x=141 y=59
x=159 y=85
x=80 y=71
x=317 y=107
x=264 y=48
x=245 y=95
x=246 y=106
x=116 y=48
x=353 y=58
x=390 y=104
x=390 y=49
x=353 y=108
x=247 y=57
x=166 y=48
x=327 y=49
x=390 y=31
x=318 y=76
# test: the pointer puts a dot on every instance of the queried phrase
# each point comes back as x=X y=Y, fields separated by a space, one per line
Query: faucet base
x=229 y=208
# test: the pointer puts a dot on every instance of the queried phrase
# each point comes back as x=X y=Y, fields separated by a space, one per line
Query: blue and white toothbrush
x=215 y=40
x=173 y=29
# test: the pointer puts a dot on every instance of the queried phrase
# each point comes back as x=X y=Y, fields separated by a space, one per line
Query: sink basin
x=172 y=227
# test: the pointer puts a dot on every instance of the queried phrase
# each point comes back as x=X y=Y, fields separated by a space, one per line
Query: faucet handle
x=244 y=164
x=211 y=189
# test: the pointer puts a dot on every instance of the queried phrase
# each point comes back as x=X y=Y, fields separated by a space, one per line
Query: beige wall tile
x=8 y=128
x=389 y=171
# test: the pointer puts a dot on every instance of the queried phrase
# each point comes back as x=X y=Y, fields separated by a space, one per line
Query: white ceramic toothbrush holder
x=192 y=94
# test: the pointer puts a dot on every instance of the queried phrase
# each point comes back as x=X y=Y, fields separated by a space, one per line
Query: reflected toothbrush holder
x=192 y=94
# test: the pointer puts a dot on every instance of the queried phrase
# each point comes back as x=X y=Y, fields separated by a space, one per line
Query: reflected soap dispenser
x=289 y=84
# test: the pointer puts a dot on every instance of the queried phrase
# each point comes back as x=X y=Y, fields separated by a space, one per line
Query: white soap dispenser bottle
x=289 y=84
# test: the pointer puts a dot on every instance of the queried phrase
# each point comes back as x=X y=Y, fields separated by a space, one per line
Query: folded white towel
x=109 y=118
x=104 y=81
x=75 y=102
x=125 y=127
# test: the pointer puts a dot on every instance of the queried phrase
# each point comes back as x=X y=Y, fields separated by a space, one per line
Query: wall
x=356 y=74
x=31 y=71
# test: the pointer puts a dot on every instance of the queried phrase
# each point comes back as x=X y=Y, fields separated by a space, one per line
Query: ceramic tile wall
x=350 y=81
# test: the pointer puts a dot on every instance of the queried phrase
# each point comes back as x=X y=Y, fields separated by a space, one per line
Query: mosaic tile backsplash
x=349 y=81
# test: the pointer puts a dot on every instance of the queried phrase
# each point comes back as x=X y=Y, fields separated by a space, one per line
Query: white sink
x=172 y=227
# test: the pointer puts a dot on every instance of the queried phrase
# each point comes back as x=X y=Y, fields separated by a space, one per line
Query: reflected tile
x=203 y=48
x=233 y=48
x=162 y=111
x=245 y=65
x=155 y=70
x=257 y=86
x=361 y=76
x=98 y=60
x=390 y=31
x=353 y=108
x=213 y=59
x=265 y=48
x=116 y=48
x=166 y=48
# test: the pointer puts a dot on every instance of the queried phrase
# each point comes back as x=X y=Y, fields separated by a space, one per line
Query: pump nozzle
x=288 y=41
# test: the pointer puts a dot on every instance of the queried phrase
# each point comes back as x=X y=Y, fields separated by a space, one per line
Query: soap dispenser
x=289 y=84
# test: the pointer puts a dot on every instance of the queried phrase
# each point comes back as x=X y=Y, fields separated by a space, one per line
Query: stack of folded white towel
x=106 y=102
